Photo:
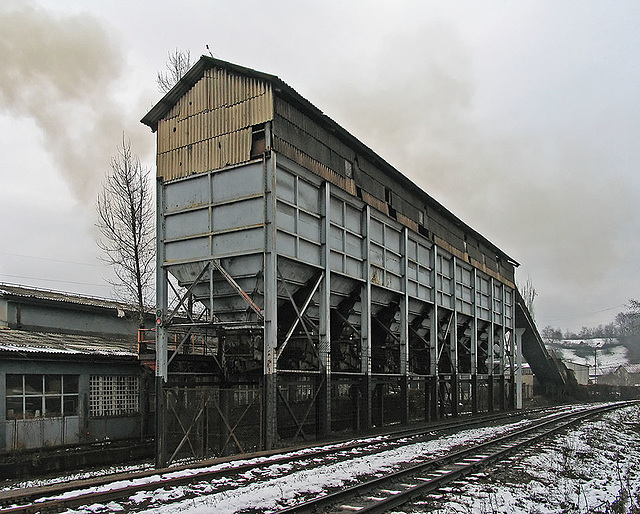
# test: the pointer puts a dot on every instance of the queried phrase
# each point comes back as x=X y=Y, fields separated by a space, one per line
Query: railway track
x=382 y=494
x=214 y=477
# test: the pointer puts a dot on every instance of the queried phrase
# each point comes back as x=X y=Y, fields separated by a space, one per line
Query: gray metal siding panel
x=215 y=214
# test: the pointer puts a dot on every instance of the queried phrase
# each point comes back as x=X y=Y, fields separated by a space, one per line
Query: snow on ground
x=274 y=494
x=608 y=359
x=580 y=470
x=590 y=467
x=114 y=470
x=608 y=353
x=75 y=476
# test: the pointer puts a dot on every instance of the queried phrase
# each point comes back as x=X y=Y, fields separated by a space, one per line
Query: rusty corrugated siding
x=210 y=127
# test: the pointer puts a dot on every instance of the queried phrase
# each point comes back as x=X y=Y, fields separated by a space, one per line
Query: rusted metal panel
x=286 y=111
x=374 y=202
x=407 y=222
x=210 y=154
x=311 y=164
x=210 y=126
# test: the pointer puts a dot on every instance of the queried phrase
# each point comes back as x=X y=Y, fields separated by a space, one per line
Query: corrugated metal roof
x=21 y=341
x=169 y=101
x=59 y=296
x=632 y=368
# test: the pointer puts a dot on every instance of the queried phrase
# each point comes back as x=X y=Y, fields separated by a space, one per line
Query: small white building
x=580 y=371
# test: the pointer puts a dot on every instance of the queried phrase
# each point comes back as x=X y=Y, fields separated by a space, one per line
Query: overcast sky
x=522 y=118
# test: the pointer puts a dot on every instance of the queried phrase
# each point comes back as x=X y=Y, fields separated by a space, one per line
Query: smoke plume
x=550 y=200
x=61 y=72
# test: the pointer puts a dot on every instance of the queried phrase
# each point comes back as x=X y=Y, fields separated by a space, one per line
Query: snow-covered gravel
x=273 y=494
x=588 y=469
x=583 y=469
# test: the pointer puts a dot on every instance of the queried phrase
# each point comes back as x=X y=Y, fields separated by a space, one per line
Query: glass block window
x=38 y=396
x=303 y=392
x=113 y=395
x=245 y=394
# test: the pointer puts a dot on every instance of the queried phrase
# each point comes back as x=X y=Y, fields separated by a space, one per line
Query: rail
x=398 y=488
x=58 y=497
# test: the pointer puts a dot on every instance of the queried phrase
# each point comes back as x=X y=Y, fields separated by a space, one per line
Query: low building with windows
x=69 y=371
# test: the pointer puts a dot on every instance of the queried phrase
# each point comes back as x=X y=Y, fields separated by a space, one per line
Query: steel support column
x=162 y=307
x=490 y=351
x=453 y=344
x=324 y=397
x=433 y=336
x=474 y=344
x=404 y=330
x=270 y=305
x=518 y=349
x=366 y=326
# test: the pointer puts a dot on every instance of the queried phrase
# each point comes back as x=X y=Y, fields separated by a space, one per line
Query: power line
x=54 y=280
x=582 y=315
x=52 y=260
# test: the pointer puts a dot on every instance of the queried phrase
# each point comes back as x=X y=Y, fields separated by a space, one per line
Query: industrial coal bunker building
x=324 y=292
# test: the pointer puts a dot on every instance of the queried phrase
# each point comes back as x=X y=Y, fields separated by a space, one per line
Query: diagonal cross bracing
x=237 y=288
x=299 y=313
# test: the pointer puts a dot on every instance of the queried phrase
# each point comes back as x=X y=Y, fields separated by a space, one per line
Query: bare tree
x=177 y=65
x=126 y=220
x=629 y=322
x=529 y=294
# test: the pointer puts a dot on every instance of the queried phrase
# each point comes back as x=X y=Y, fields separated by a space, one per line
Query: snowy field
x=591 y=467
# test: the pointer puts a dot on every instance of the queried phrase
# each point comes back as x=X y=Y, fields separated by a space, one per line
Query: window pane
x=70 y=383
x=14 y=385
x=53 y=406
x=14 y=408
x=33 y=384
x=71 y=405
x=53 y=384
x=33 y=406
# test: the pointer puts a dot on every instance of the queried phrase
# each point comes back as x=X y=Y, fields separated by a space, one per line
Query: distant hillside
x=608 y=353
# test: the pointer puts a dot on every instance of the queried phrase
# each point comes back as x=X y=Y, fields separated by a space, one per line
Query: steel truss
x=191 y=397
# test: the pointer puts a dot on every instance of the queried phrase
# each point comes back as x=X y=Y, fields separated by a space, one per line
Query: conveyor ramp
x=548 y=369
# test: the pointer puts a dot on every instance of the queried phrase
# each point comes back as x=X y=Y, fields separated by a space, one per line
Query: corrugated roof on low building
x=21 y=342
x=42 y=310
x=633 y=368
x=58 y=296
